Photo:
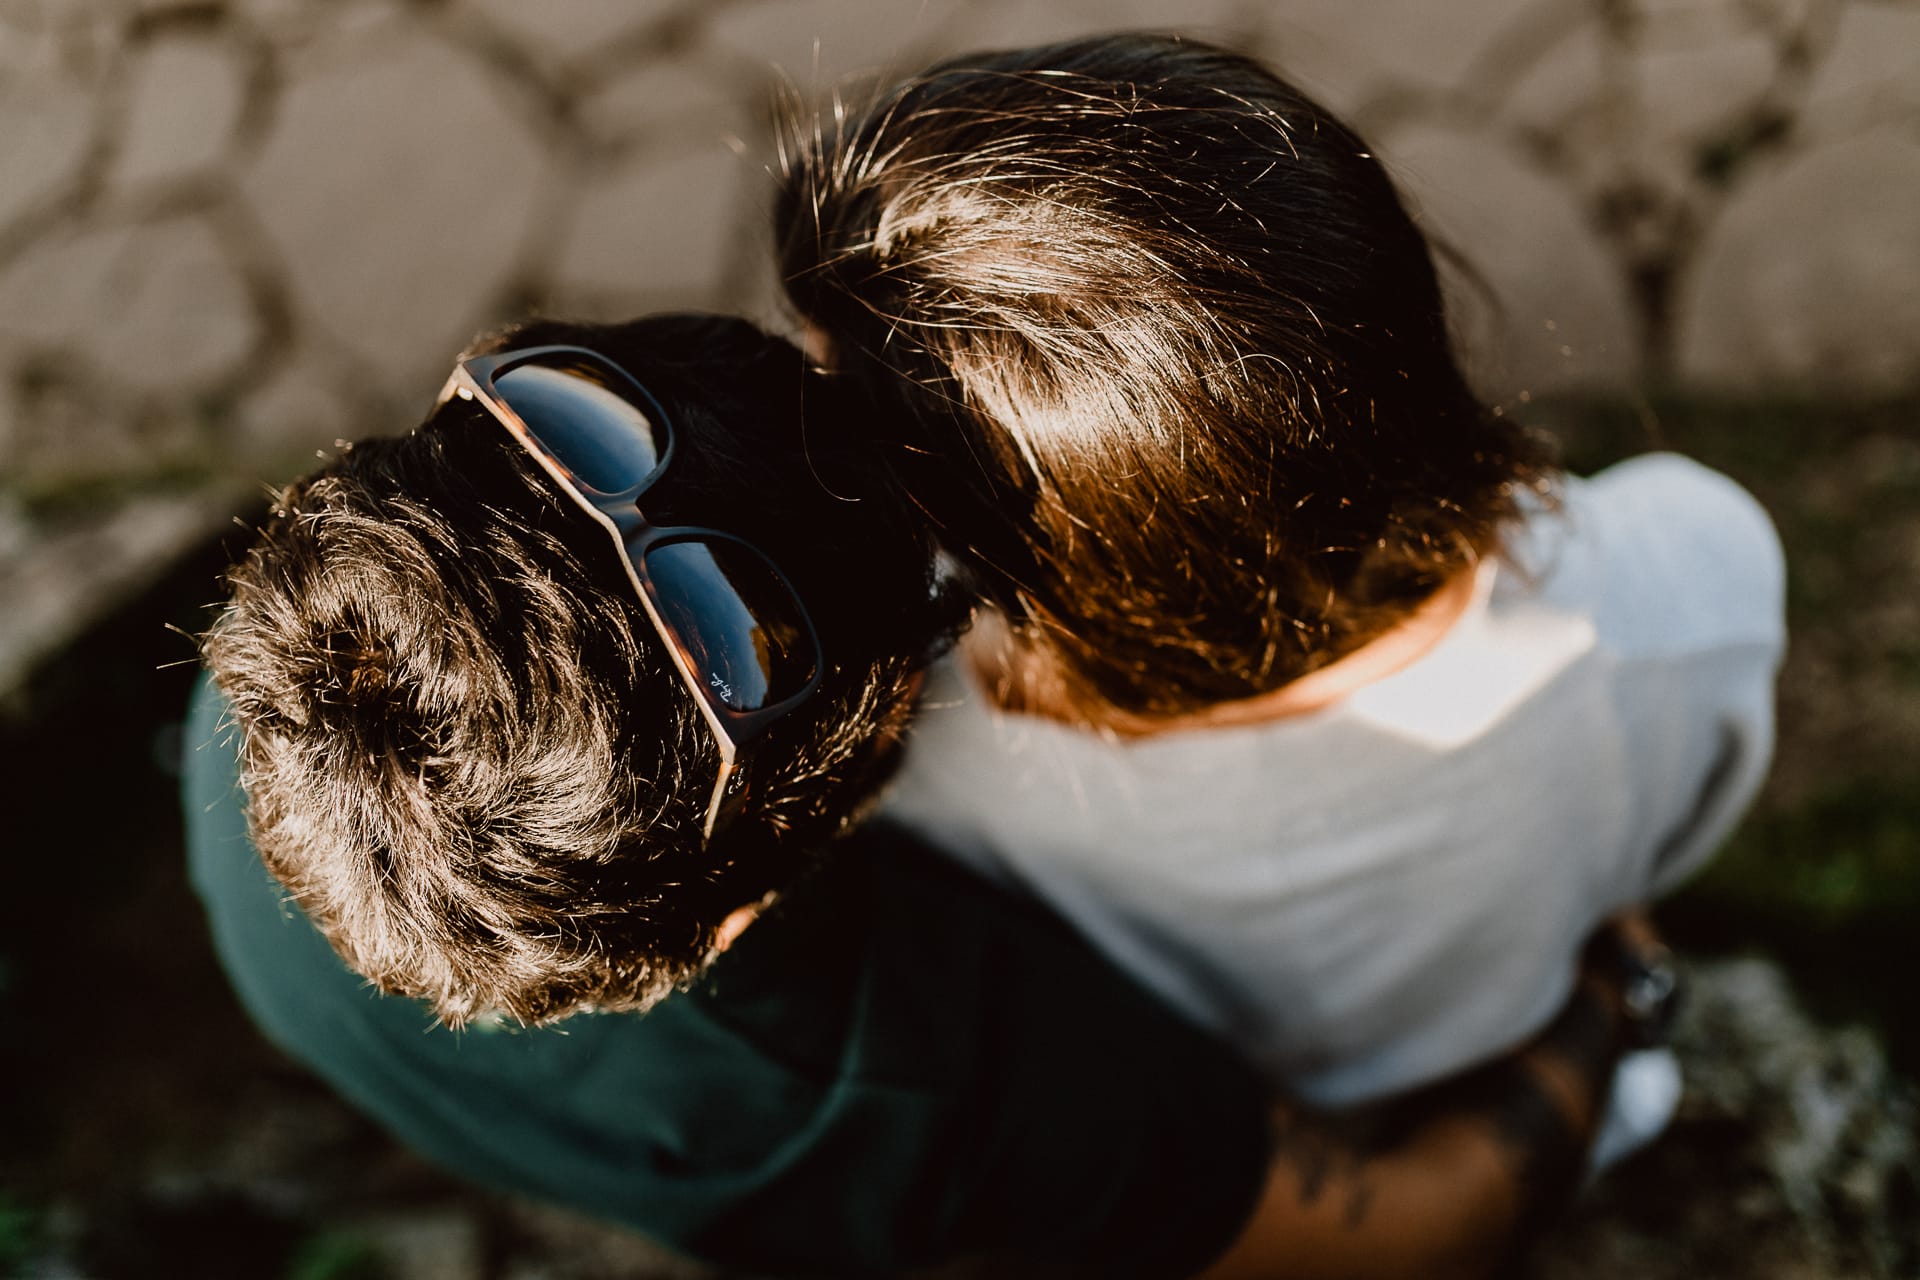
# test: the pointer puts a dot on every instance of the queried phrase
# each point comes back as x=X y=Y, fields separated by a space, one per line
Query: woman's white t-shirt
x=1376 y=894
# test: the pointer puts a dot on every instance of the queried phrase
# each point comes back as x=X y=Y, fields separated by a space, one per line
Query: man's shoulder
x=991 y=1008
x=899 y=1063
x=891 y=926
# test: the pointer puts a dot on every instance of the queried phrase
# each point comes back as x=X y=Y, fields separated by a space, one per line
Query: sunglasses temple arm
x=715 y=803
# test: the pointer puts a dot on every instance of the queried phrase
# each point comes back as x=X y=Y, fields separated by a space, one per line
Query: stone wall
x=232 y=232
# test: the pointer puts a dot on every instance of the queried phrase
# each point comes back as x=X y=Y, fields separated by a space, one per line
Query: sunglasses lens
x=737 y=621
x=584 y=413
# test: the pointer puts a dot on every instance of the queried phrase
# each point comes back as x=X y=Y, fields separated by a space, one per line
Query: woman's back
x=1370 y=896
x=1150 y=339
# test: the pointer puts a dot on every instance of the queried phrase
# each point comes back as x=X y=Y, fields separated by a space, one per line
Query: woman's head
x=1154 y=343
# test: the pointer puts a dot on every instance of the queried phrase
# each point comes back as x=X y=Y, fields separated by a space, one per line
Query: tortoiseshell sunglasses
x=738 y=634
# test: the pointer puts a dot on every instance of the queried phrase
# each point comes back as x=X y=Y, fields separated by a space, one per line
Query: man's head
x=468 y=754
x=1159 y=349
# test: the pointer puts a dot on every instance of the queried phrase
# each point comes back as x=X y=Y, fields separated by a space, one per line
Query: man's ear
x=734 y=925
x=818 y=344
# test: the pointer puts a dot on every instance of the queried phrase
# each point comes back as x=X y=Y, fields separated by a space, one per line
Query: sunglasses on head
x=738 y=635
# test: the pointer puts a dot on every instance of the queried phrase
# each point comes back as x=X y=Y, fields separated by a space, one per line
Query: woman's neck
x=1021 y=679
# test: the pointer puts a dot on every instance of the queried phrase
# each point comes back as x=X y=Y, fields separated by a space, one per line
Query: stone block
x=74 y=39
x=1872 y=69
x=568 y=28
x=49 y=122
x=1562 y=84
x=178 y=316
x=184 y=101
x=10 y=423
x=62 y=428
x=75 y=434
x=297 y=22
x=1703 y=21
x=815 y=44
x=398 y=188
x=1331 y=75
x=1808 y=277
x=70 y=577
x=1221 y=21
x=16 y=530
x=1359 y=51
x=1690 y=95
x=1565 y=321
x=277 y=426
x=272 y=14
x=157 y=307
x=51 y=291
x=1011 y=25
x=690 y=99
x=661 y=229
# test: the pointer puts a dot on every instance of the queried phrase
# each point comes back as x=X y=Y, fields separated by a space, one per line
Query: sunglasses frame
x=619 y=514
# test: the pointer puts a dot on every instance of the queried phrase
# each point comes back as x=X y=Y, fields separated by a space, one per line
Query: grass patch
x=1831 y=888
x=336 y=1255
x=1845 y=856
x=19 y=1234
x=50 y=498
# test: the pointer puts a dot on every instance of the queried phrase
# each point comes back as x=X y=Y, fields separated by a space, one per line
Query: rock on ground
x=1793 y=1157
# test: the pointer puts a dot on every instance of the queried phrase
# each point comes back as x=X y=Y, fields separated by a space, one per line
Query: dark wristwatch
x=1650 y=994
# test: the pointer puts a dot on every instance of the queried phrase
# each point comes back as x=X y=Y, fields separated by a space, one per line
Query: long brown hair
x=1153 y=342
